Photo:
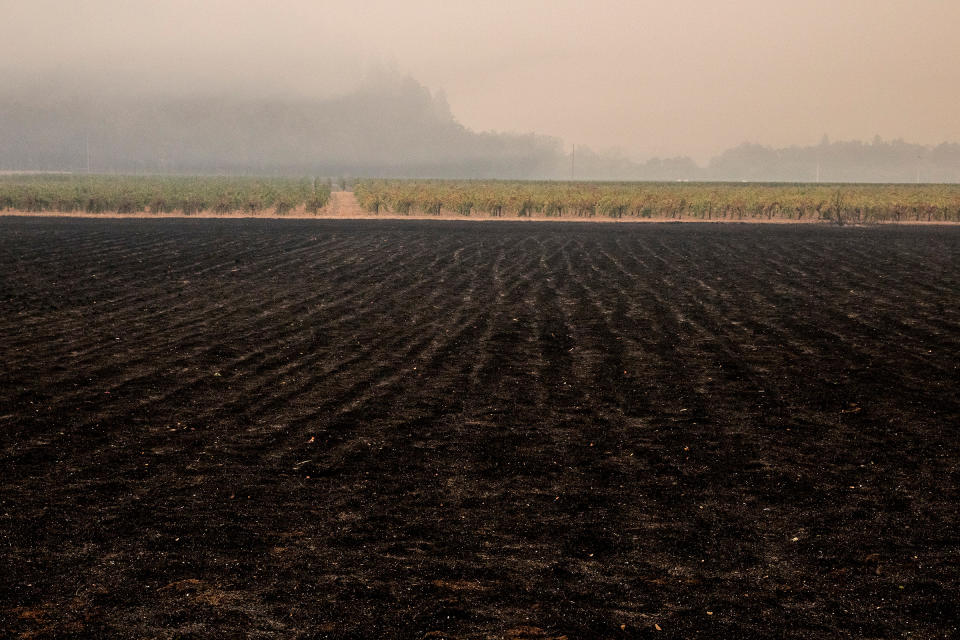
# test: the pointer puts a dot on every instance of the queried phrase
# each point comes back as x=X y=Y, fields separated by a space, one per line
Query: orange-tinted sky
x=650 y=77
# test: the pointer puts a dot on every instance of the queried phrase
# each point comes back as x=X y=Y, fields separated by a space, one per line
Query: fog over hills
x=392 y=126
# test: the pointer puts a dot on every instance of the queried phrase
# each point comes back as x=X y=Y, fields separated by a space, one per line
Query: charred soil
x=357 y=429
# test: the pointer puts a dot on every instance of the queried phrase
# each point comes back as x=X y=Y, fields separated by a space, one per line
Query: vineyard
x=847 y=203
x=160 y=194
x=192 y=195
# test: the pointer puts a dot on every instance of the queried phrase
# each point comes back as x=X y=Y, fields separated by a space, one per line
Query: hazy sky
x=650 y=77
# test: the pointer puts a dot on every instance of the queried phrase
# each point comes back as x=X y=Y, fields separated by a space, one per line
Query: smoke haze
x=635 y=80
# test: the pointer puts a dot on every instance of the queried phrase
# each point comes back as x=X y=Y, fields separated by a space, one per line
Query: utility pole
x=818 y=173
x=88 y=150
x=573 y=162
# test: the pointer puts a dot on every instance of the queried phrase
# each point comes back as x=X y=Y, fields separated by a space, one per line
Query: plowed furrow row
x=172 y=300
x=195 y=327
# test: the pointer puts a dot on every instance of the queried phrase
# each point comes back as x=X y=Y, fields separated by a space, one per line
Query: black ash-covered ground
x=404 y=429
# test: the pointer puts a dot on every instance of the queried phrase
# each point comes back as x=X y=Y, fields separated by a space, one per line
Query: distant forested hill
x=394 y=127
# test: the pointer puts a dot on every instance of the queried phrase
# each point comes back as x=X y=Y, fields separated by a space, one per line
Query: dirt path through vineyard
x=343 y=204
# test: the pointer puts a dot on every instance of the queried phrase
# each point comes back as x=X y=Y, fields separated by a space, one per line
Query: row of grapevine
x=160 y=194
x=677 y=201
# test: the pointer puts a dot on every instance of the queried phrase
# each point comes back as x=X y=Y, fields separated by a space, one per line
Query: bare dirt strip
x=354 y=429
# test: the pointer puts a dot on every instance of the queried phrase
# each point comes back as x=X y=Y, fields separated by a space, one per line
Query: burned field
x=409 y=429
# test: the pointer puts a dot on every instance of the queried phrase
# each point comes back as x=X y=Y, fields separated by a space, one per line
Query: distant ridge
x=393 y=128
